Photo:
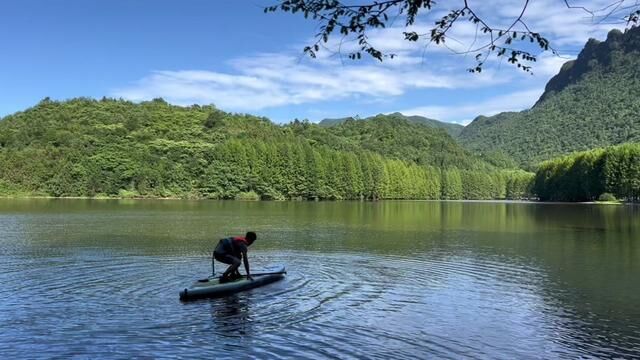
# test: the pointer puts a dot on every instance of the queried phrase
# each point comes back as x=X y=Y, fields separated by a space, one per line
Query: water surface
x=100 y=278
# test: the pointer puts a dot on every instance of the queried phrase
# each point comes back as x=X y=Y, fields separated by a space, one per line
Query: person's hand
x=249 y=278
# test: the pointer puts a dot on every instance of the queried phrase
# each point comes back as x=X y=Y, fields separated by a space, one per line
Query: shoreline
x=42 y=197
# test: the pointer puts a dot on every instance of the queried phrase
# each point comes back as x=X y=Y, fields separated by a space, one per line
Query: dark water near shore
x=100 y=279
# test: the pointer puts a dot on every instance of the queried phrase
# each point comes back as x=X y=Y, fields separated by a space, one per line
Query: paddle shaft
x=270 y=273
x=213 y=268
x=213 y=262
x=267 y=273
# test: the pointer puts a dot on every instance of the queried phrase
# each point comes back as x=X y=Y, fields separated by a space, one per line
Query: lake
x=100 y=279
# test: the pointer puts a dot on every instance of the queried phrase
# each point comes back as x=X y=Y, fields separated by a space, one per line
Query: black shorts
x=226 y=258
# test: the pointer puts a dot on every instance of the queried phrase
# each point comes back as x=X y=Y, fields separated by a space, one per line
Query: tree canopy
x=586 y=176
x=356 y=21
x=85 y=147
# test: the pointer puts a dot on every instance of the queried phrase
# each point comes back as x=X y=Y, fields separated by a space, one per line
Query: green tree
x=451 y=184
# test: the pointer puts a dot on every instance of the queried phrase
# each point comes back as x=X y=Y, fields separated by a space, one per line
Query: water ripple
x=331 y=305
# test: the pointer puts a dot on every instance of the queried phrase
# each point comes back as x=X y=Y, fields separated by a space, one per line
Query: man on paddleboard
x=230 y=250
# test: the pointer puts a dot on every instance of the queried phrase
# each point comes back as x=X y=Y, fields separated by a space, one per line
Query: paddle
x=270 y=273
x=213 y=269
x=256 y=274
x=213 y=263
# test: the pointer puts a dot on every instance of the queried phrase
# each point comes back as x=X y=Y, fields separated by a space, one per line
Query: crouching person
x=230 y=250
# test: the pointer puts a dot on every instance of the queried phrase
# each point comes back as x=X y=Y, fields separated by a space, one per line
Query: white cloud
x=464 y=113
x=549 y=65
x=567 y=28
x=273 y=80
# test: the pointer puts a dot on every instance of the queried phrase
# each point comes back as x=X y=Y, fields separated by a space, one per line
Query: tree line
x=587 y=175
x=243 y=169
x=114 y=148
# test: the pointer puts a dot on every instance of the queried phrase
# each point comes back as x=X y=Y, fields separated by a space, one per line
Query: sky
x=231 y=54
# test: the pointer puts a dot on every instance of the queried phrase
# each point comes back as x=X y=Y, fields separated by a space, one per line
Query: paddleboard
x=212 y=287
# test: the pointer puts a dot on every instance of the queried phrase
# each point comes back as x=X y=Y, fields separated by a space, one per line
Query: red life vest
x=231 y=245
x=241 y=240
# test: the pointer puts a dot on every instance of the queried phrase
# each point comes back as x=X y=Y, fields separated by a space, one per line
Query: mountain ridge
x=594 y=52
x=451 y=128
x=592 y=102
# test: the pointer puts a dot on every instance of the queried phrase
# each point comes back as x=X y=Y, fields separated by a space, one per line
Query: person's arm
x=246 y=264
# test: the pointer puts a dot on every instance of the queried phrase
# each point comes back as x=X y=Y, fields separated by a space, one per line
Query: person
x=230 y=250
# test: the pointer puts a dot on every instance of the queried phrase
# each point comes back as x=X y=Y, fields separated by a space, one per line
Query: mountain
x=594 y=101
x=336 y=121
x=451 y=128
x=394 y=136
x=87 y=147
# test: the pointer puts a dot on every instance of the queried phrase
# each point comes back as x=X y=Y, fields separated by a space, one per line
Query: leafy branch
x=513 y=42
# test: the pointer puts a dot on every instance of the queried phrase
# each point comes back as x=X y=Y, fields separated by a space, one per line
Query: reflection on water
x=231 y=315
x=388 y=279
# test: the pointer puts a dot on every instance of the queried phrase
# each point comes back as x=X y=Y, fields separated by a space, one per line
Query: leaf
x=411 y=36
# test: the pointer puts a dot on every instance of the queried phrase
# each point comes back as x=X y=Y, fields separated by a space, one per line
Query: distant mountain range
x=594 y=101
x=412 y=138
x=452 y=129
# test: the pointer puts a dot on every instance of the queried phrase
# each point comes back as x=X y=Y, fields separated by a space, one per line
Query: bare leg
x=232 y=269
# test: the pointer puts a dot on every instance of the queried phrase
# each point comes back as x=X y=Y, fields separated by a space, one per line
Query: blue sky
x=230 y=54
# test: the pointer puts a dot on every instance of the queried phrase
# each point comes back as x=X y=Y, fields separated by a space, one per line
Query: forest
x=601 y=174
x=115 y=148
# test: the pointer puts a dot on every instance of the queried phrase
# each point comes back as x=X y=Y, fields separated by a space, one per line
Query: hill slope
x=451 y=128
x=394 y=136
x=593 y=101
x=85 y=147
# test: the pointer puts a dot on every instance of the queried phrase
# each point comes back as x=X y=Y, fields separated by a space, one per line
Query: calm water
x=366 y=280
